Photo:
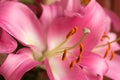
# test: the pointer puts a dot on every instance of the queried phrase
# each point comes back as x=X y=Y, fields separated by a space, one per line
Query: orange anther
x=104 y=36
x=112 y=55
x=106 y=53
x=64 y=54
x=72 y=32
x=81 y=48
x=84 y=2
x=109 y=45
x=81 y=51
x=72 y=64
x=79 y=58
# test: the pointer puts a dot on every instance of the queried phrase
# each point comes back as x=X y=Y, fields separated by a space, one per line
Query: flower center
x=79 y=57
x=60 y=50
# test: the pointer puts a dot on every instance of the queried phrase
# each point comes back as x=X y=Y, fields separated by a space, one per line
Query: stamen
x=79 y=58
x=104 y=36
x=118 y=39
x=64 y=54
x=72 y=32
x=72 y=64
x=80 y=55
x=109 y=45
x=86 y=31
x=81 y=48
x=112 y=55
x=84 y=2
x=106 y=53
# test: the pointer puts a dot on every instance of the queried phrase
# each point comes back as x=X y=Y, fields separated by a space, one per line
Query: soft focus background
x=111 y=4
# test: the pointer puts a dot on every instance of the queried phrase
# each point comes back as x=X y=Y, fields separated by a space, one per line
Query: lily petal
x=60 y=70
x=25 y=27
x=114 y=68
x=50 y=12
x=7 y=43
x=16 y=65
x=115 y=19
x=71 y=5
x=95 y=63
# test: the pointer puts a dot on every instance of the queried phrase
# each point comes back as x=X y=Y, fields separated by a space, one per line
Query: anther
x=81 y=48
x=106 y=53
x=64 y=54
x=72 y=64
x=109 y=45
x=84 y=2
x=80 y=55
x=112 y=55
x=79 y=58
x=72 y=32
x=104 y=36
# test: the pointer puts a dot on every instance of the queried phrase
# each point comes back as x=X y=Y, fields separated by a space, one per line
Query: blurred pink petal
x=49 y=13
x=7 y=43
x=114 y=68
x=115 y=20
x=16 y=65
x=92 y=61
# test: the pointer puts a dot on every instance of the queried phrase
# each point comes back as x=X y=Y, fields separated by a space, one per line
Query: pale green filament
x=118 y=39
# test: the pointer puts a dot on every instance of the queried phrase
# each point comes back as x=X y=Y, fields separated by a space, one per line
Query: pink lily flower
x=52 y=45
x=111 y=58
